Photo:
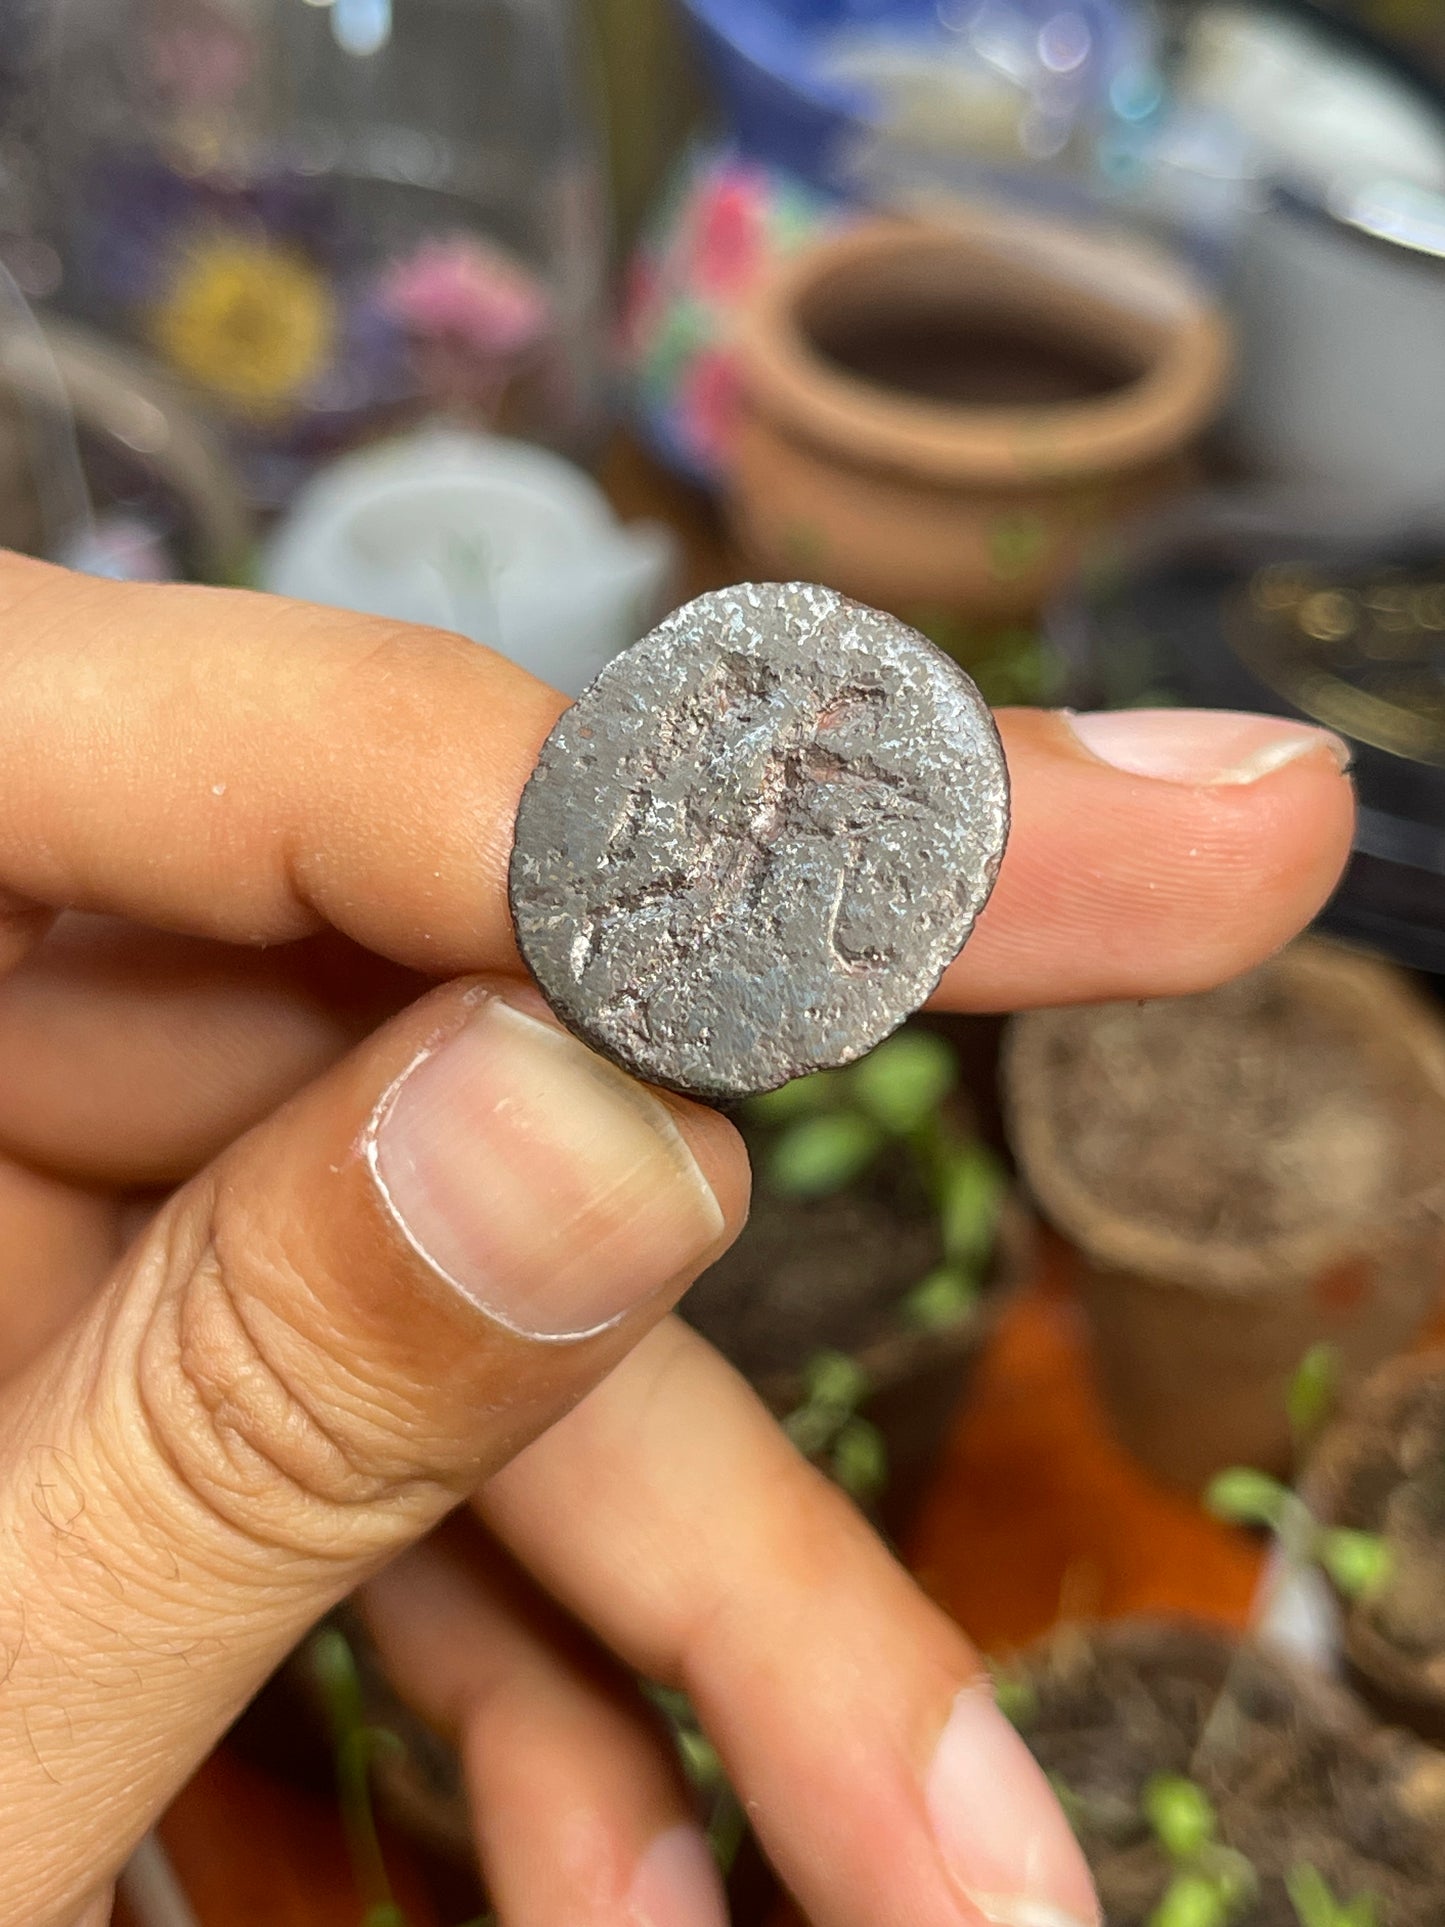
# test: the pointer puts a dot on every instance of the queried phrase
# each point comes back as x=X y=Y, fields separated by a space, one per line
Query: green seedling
x=828 y=1131
x=1016 y=1697
x=819 y=1156
x=1315 y=1905
x=831 y=1129
x=1313 y=1395
x=827 y=1428
x=726 y=1821
x=357 y=1746
x=941 y=1300
x=1181 y=1815
x=1357 y=1562
x=1211 y=1882
x=902 y=1083
x=1194 y=1900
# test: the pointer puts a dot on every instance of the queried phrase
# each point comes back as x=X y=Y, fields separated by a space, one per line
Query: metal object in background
x=1340 y=299
x=1322 y=607
x=754 y=845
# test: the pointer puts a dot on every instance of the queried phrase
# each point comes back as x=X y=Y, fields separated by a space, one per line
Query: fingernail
x=677 y=1884
x=548 y=1187
x=999 y=1827
x=1205 y=747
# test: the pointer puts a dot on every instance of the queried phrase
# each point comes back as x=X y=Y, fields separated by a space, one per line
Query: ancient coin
x=757 y=840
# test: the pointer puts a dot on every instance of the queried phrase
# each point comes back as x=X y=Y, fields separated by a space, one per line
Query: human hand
x=291 y=1248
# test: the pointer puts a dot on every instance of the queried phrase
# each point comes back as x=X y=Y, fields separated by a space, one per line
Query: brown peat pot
x=944 y=417
x=1380 y=1468
x=828 y=1274
x=1244 y=1173
x=1295 y=1767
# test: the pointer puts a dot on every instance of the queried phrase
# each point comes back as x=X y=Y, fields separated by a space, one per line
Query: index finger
x=244 y=767
x=248 y=768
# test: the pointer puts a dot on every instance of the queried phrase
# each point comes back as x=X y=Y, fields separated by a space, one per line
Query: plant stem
x=355 y=1743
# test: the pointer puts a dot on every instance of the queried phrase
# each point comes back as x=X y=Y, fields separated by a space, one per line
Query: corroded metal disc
x=758 y=839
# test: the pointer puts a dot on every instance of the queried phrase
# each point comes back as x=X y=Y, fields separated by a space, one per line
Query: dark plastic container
x=1311 y=608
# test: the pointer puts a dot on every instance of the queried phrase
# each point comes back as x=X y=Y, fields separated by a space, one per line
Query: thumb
x=319 y=1346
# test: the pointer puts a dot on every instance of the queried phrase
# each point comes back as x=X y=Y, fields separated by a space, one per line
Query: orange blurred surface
x=1038 y=1514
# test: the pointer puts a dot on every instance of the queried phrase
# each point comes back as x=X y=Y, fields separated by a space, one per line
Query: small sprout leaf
x=817 y=1156
x=812 y=1428
x=1248 y=1498
x=1358 y=1562
x=971 y=1192
x=334 y=1666
x=835 y=1381
x=860 y=1460
x=699 y=1758
x=1017 y=1699
x=1234 y=1875
x=727 y=1829
x=1313 y=1391
x=1192 y=1900
x=1181 y=1815
x=803 y=1097
x=673 y=1704
x=902 y=1083
x=1310 y=1896
x=1315 y=1905
x=941 y=1300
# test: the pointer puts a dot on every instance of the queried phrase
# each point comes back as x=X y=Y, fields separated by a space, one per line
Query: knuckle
x=252 y=1412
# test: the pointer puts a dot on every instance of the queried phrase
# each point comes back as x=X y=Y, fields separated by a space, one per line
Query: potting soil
x=1396 y=1487
x=814 y=1274
x=1237 y=1117
x=1290 y=1782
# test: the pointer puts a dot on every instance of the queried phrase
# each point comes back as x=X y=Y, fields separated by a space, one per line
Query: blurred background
x=1104 y=341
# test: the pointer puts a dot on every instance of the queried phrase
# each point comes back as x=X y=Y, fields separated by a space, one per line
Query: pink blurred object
x=464 y=290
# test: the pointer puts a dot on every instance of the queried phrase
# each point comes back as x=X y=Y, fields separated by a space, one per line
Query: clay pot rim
x=1373 y=1407
x=1392 y=1016
x=891 y=1358
x=1184 y=337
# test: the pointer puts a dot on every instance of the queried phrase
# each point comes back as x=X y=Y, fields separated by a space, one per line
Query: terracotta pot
x=945 y=417
x=1393 y=1435
x=1296 y=1770
x=1196 y=1337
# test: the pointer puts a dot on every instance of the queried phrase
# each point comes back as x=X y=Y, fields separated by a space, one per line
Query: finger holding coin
x=756 y=841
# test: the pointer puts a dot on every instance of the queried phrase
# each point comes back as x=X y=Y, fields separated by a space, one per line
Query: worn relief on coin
x=758 y=839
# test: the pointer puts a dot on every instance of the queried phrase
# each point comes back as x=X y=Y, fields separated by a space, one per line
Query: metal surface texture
x=757 y=840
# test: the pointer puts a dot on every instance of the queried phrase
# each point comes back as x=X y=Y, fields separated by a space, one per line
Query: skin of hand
x=315 y=1229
